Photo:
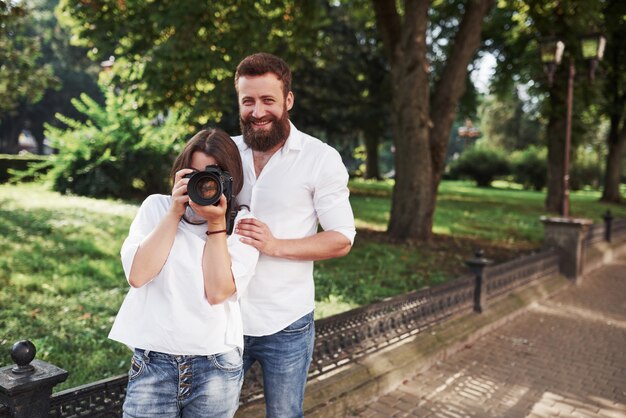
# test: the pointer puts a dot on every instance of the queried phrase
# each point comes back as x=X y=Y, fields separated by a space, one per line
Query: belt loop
x=146 y=356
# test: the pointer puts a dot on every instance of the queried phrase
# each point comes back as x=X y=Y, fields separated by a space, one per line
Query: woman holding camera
x=181 y=315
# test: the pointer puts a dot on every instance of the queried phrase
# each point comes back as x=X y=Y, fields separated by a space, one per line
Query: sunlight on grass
x=332 y=305
x=504 y=213
x=61 y=280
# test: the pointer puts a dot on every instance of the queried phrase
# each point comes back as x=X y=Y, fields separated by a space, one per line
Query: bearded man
x=292 y=183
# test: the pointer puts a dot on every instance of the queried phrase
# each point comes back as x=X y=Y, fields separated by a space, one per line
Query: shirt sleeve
x=332 y=196
x=243 y=257
x=147 y=218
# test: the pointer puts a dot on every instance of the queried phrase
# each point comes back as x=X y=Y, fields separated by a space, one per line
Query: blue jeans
x=285 y=358
x=165 y=385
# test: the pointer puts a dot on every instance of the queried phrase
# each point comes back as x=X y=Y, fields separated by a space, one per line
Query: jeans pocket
x=230 y=361
x=300 y=326
x=137 y=366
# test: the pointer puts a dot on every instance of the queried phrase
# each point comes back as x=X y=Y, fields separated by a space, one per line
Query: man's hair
x=262 y=63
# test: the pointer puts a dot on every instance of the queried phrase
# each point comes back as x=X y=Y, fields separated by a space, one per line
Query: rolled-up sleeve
x=332 y=196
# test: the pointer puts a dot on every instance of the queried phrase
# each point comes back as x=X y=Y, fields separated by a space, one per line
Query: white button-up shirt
x=305 y=182
x=171 y=314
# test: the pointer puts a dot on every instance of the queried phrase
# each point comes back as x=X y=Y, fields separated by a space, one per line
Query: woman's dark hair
x=262 y=63
x=217 y=144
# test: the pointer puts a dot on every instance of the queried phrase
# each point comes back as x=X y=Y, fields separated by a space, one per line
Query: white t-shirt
x=171 y=314
x=304 y=183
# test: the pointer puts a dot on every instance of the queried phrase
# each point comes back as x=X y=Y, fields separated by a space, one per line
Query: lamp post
x=551 y=55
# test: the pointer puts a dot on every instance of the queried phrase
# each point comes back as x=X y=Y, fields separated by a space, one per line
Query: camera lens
x=207 y=188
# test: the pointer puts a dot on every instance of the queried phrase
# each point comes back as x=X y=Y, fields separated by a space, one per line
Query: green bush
x=530 y=167
x=10 y=164
x=116 y=153
x=481 y=164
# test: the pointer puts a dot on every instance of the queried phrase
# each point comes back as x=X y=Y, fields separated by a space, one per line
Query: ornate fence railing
x=503 y=278
x=347 y=337
x=618 y=229
x=102 y=399
x=596 y=233
x=611 y=229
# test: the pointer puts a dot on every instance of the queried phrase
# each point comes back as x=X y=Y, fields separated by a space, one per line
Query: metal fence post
x=25 y=388
x=608 y=220
x=477 y=267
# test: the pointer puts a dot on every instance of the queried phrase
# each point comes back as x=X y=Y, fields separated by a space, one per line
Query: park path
x=564 y=357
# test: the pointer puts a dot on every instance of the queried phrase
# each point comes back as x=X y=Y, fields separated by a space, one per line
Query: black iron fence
x=348 y=336
x=605 y=232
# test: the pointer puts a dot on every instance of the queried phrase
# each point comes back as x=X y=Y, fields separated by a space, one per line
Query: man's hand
x=257 y=234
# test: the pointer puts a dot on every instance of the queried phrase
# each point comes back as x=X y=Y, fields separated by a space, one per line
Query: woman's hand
x=179 y=192
x=215 y=215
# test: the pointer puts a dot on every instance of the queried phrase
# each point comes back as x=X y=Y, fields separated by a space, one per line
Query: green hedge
x=481 y=164
x=18 y=162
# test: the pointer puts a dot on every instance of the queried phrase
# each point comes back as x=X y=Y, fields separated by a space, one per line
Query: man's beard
x=262 y=139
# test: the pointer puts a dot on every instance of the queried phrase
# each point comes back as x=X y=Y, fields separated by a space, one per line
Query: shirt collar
x=294 y=140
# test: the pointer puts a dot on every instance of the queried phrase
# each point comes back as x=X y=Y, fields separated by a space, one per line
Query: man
x=292 y=181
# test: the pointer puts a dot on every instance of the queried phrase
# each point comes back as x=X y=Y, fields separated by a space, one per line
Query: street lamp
x=551 y=50
x=551 y=55
x=592 y=46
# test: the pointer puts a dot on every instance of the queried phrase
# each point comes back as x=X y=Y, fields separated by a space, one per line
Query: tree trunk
x=556 y=140
x=452 y=84
x=10 y=128
x=615 y=91
x=616 y=141
x=406 y=49
x=371 y=138
x=421 y=139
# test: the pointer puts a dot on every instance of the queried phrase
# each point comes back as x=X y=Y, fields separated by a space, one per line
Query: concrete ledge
x=342 y=391
x=602 y=253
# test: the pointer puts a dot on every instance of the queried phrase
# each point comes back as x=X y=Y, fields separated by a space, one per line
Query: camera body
x=206 y=187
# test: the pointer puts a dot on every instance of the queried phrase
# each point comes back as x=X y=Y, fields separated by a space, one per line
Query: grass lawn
x=61 y=281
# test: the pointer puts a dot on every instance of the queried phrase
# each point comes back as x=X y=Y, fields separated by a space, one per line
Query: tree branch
x=451 y=85
x=389 y=25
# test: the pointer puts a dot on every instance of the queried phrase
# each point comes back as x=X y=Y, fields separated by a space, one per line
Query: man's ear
x=289 y=100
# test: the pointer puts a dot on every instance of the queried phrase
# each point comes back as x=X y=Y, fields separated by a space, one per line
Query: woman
x=181 y=315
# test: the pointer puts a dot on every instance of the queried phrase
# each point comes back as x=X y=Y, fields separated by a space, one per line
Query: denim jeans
x=165 y=385
x=285 y=358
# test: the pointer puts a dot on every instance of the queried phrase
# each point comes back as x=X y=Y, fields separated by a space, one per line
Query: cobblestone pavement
x=564 y=357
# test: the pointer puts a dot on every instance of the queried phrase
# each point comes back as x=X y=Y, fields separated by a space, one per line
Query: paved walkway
x=564 y=357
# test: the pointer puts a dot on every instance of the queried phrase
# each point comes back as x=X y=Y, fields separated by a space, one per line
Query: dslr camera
x=206 y=187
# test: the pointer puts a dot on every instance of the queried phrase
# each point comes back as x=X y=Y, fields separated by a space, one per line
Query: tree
x=567 y=21
x=182 y=54
x=23 y=77
x=422 y=114
x=115 y=152
x=347 y=84
x=74 y=74
x=514 y=36
x=614 y=66
x=506 y=122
